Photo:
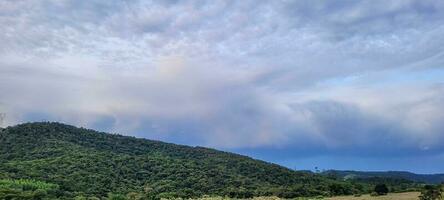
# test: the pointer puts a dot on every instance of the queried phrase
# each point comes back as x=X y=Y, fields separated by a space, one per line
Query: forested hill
x=425 y=178
x=83 y=161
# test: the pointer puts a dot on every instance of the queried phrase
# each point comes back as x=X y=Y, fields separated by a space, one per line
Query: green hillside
x=90 y=163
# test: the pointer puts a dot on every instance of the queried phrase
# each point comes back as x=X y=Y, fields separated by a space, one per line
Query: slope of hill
x=424 y=178
x=83 y=161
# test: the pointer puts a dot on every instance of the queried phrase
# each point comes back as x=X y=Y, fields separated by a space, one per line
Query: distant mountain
x=424 y=178
x=86 y=162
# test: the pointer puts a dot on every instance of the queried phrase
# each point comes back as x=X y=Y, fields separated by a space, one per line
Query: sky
x=342 y=84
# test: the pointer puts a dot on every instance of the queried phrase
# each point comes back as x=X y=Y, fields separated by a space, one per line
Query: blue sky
x=328 y=84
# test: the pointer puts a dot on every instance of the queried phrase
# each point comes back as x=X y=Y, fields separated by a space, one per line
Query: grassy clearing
x=390 y=196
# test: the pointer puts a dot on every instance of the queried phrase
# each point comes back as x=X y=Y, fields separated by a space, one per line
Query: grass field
x=391 y=196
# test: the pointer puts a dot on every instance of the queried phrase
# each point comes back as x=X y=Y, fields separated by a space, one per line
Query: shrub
x=431 y=192
x=381 y=189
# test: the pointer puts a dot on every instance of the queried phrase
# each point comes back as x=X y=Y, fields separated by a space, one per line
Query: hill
x=90 y=163
x=423 y=178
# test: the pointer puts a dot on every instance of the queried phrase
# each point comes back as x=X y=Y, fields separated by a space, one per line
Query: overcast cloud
x=290 y=79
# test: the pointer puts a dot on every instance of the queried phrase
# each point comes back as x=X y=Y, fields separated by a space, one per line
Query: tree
x=431 y=192
x=112 y=196
x=381 y=189
x=80 y=197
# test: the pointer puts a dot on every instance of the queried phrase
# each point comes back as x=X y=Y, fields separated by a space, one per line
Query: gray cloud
x=319 y=76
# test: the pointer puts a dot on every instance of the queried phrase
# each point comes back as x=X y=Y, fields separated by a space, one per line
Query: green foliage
x=112 y=196
x=431 y=192
x=393 y=184
x=381 y=189
x=400 y=175
x=27 y=189
x=27 y=185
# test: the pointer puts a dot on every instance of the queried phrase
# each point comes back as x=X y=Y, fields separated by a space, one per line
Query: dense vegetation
x=84 y=163
x=425 y=178
x=381 y=189
x=392 y=184
x=27 y=189
x=432 y=192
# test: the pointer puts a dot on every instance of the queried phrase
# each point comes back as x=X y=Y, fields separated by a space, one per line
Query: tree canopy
x=87 y=163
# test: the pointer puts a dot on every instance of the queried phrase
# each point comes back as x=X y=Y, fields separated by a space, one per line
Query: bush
x=431 y=192
x=381 y=189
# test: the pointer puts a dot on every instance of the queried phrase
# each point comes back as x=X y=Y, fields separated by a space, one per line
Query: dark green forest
x=424 y=178
x=54 y=160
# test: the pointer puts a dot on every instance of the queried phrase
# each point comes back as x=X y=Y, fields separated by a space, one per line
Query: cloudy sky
x=333 y=84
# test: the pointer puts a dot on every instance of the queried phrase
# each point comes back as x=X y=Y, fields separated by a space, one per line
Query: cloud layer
x=299 y=78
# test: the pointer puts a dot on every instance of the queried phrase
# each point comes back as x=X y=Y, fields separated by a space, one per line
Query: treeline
x=367 y=184
x=37 y=190
x=423 y=178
